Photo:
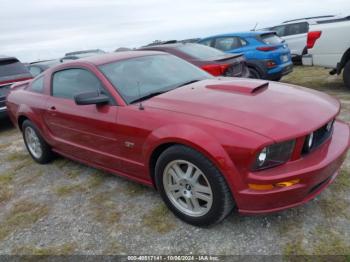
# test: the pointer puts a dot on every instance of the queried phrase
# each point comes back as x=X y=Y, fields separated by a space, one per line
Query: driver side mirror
x=91 y=98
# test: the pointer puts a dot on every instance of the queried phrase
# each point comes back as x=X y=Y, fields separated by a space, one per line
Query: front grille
x=234 y=70
x=319 y=137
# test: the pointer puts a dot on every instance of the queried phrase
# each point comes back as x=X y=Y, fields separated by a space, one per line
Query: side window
x=70 y=82
x=243 y=42
x=38 y=85
x=280 y=30
x=227 y=43
x=206 y=42
x=299 y=28
x=34 y=70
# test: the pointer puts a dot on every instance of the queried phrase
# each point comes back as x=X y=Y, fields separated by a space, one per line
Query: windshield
x=139 y=77
x=12 y=67
x=271 y=39
x=201 y=52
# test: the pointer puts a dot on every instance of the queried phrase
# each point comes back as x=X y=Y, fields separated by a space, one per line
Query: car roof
x=4 y=58
x=114 y=57
x=99 y=51
x=44 y=62
x=160 y=46
x=313 y=18
x=242 y=34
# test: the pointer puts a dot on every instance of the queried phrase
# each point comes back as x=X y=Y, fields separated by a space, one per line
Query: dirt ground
x=68 y=208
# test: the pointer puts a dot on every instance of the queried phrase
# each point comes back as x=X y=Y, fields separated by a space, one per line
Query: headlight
x=274 y=155
x=309 y=142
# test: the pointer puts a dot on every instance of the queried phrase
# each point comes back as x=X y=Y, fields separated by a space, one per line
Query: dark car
x=37 y=68
x=81 y=54
x=11 y=71
x=210 y=59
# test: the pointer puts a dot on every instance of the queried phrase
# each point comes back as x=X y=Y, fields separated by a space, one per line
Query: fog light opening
x=288 y=183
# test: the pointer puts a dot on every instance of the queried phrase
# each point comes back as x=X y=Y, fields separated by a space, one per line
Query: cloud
x=42 y=29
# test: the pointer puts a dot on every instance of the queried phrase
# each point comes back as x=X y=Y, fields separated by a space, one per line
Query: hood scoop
x=245 y=87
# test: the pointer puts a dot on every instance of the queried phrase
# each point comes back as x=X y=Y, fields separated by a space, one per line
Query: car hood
x=275 y=110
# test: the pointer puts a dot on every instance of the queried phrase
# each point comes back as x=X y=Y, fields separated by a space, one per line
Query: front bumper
x=316 y=171
x=279 y=71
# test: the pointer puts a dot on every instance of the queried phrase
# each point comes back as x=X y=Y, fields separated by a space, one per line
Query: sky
x=44 y=29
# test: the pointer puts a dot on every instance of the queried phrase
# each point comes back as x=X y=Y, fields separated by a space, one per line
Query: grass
x=69 y=189
x=314 y=77
x=64 y=249
x=330 y=242
x=6 y=177
x=17 y=156
x=4 y=146
x=104 y=208
x=6 y=192
x=22 y=215
x=342 y=182
x=61 y=162
x=96 y=180
x=159 y=219
x=113 y=248
x=134 y=189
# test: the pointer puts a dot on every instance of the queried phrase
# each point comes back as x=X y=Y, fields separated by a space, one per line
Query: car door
x=86 y=132
x=295 y=35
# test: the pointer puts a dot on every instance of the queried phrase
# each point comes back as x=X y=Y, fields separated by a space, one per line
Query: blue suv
x=268 y=57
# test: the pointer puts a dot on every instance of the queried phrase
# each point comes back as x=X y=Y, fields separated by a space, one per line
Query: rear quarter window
x=38 y=85
x=271 y=39
x=296 y=29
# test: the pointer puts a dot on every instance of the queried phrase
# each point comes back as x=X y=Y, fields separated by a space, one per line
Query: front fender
x=197 y=139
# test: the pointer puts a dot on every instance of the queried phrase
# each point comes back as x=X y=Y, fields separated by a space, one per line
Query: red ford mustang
x=207 y=144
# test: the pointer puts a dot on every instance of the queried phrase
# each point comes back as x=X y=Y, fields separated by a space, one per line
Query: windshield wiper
x=162 y=92
x=147 y=96
x=189 y=82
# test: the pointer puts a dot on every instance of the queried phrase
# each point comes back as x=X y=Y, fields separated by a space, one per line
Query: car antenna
x=256 y=25
x=139 y=91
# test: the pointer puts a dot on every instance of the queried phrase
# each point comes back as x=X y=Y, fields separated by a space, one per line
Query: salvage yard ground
x=69 y=208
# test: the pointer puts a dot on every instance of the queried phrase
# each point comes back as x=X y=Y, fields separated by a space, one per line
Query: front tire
x=39 y=150
x=346 y=74
x=192 y=187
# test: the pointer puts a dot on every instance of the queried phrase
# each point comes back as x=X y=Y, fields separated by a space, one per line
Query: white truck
x=328 y=45
x=294 y=32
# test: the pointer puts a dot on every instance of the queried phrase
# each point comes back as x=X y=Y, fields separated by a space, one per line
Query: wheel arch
x=256 y=67
x=345 y=58
x=161 y=139
x=20 y=120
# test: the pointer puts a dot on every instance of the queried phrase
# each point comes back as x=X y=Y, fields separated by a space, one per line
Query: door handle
x=52 y=108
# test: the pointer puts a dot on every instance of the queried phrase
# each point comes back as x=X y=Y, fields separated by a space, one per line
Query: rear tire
x=39 y=150
x=346 y=74
x=196 y=192
x=253 y=73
